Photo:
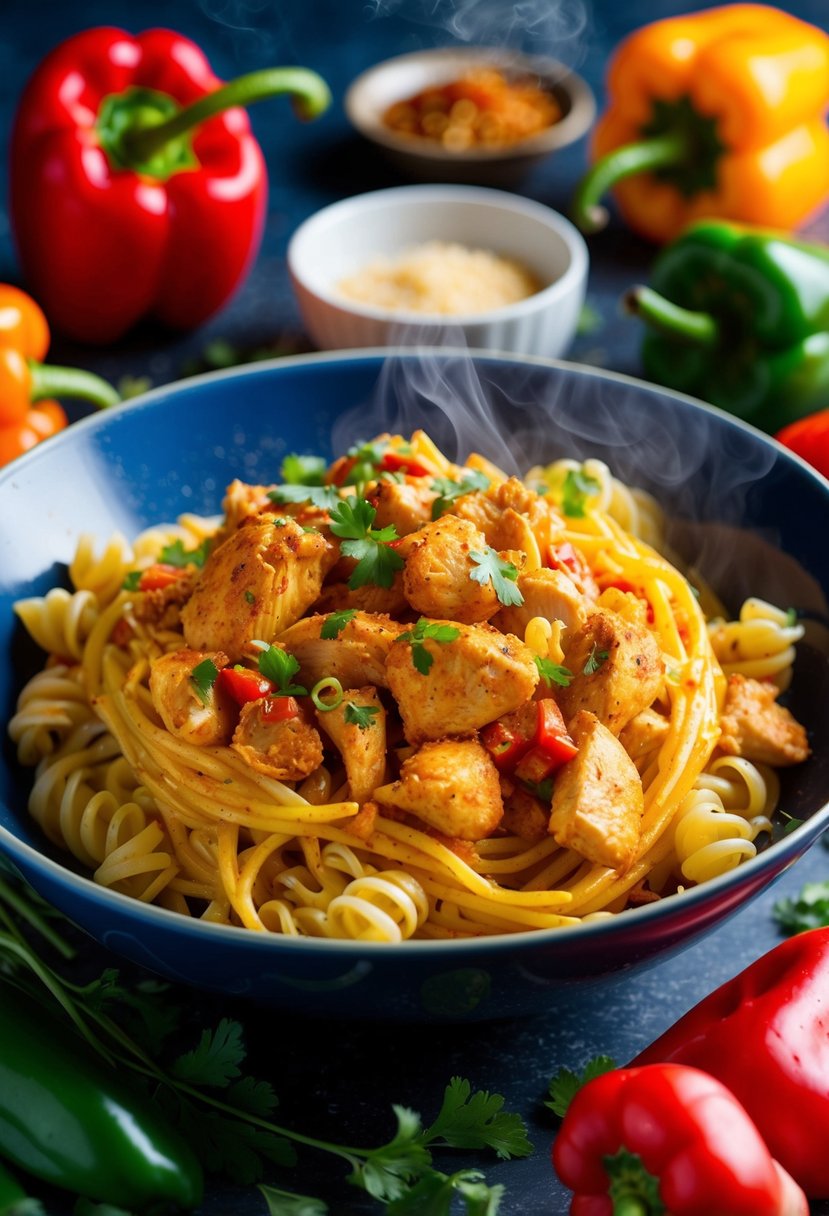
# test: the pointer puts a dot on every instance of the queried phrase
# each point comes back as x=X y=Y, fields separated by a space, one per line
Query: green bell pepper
x=69 y=1120
x=740 y=318
x=14 y=1200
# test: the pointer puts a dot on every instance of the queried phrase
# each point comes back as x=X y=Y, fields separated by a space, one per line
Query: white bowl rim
x=568 y=129
x=90 y=892
x=513 y=204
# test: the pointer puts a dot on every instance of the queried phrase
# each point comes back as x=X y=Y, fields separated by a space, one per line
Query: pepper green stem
x=310 y=93
x=641 y=157
x=629 y=1205
x=48 y=381
x=697 y=328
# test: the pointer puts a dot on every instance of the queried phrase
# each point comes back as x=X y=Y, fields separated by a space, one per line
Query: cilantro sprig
x=566 y=1083
x=299 y=470
x=417 y=635
x=449 y=491
x=376 y=562
x=808 y=910
x=176 y=555
x=324 y=497
x=491 y=568
x=335 y=622
x=203 y=676
x=553 y=673
x=360 y=715
x=577 y=489
x=594 y=660
x=279 y=666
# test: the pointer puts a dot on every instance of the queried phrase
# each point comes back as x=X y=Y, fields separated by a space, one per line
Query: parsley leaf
x=324 y=497
x=360 y=715
x=376 y=562
x=278 y=666
x=478 y=1120
x=335 y=622
x=565 y=1084
x=810 y=910
x=303 y=470
x=176 y=554
x=594 y=661
x=386 y=1171
x=132 y=580
x=553 y=673
x=421 y=658
x=448 y=491
x=285 y=1203
x=577 y=488
x=434 y=1192
x=367 y=458
x=502 y=574
x=216 y=1058
x=203 y=677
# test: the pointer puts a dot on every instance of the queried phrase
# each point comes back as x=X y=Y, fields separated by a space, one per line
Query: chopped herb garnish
x=594 y=661
x=553 y=673
x=176 y=554
x=303 y=470
x=541 y=789
x=810 y=910
x=367 y=458
x=280 y=521
x=791 y=617
x=278 y=666
x=448 y=491
x=376 y=561
x=491 y=568
x=324 y=497
x=577 y=488
x=335 y=622
x=565 y=1084
x=360 y=715
x=203 y=677
x=250 y=598
x=421 y=658
x=132 y=580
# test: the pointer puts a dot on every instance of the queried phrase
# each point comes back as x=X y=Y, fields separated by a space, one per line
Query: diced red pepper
x=536 y=766
x=279 y=709
x=509 y=737
x=159 y=576
x=242 y=685
x=397 y=462
x=552 y=734
x=536 y=727
x=622 y=584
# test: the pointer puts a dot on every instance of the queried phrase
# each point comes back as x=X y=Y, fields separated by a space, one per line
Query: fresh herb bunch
x=225 y=1113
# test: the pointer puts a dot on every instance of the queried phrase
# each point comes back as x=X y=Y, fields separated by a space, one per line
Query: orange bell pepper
x=718 y=114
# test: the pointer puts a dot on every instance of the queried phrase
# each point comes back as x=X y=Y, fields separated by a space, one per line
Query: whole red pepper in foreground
x=765 y=1034
x=667 y=1139
x=137 y=188
x=809 y=438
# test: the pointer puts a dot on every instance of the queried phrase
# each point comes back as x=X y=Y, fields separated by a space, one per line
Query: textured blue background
x=341 y=1080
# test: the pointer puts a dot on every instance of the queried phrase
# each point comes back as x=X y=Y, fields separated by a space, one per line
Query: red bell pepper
x=529 y=740
x=137 y=188
x=765 y=1034
x=809 y=439
x=243 y=685
x=397 y=462
x=159 y=576
x=279 y=709
x=667 y=1139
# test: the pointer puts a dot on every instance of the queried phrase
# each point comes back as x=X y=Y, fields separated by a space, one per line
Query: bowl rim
x=430 y=194
x=786 y=849
x=569 y=128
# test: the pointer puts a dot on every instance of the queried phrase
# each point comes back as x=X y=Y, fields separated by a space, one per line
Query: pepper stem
x=646 y=154
x=49 y=381
x=629 y=1205
x=697 y=328
x=310 y=93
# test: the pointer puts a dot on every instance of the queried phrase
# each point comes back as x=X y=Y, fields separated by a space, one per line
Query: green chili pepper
x=66 y=1118
x=740 y=318
x=13 y=1199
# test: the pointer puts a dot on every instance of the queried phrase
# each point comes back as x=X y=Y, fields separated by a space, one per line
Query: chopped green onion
x=328 y=684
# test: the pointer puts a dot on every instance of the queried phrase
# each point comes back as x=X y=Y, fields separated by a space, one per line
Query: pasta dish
x=395 y=697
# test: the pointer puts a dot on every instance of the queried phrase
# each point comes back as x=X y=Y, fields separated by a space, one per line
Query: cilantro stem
x=27 y=912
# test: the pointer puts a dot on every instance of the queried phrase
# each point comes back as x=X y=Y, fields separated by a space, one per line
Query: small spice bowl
x=393 y=81
x=345 y=239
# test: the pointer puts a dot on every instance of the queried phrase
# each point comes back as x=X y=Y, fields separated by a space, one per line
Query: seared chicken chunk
x=255 y=584
x=407 y=506
x=524 y=814
x=162 y=607
x=597 y=797
x=369 y=598
x=355 y=656
x=644 y=734
x=547 y=593
x=452 y=785
x=473 y=679
x=755 y=727
x=362 y=744
x=511 y=516
x=204 y=718
x=288 y=750
x=242 y=500
x=616 y=667
x=437 y=578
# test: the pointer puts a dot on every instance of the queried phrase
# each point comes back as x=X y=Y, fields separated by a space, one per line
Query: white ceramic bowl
x=370 y=95
x=343 y=238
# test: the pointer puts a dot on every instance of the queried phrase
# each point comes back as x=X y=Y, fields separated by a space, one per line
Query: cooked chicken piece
x=597 y=797
x=755 y=727
x=617 y=670
x=564 y=556
x=362 y=747
x=644 y=734
x=407 y=506
x=524 y=814
x=452 y=785
x=162 y=607
x=473 y=679
x=255 y=584
x=437 y=578
x=205 y=720
x=356 y=656
x=288 y=750
x=511 y=517
x=242 y=500
x=369 y=598
x=548 y=593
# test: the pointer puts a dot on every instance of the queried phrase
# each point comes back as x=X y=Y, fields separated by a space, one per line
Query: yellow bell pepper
x=715 y=114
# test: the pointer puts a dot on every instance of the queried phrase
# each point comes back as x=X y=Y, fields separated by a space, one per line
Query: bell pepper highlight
x=715 y=113
x=397 y=462
x=243 y=685
x=531 y=742
x=764 y=1034
x=279 y=709
x=809 y=439
x=667 y=1140
x=137 y=188
x=739 y=317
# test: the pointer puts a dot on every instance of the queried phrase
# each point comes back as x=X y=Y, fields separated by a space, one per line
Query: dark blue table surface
x=342 y=1079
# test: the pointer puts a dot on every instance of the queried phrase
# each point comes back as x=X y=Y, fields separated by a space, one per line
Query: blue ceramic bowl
x=752 y=517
